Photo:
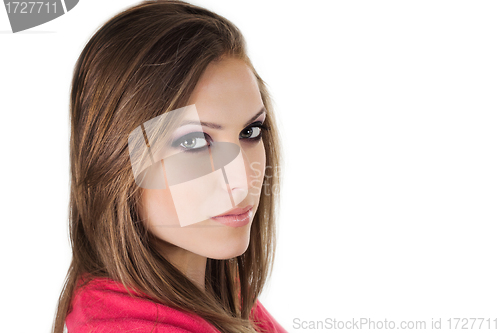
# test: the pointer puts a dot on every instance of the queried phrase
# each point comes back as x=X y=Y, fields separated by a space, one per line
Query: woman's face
x=230 y=110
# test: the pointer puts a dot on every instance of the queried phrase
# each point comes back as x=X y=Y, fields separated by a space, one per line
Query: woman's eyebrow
x=261 y=111
x=217 y=126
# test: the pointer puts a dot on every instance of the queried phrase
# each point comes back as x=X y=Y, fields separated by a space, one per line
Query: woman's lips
x=236 y=217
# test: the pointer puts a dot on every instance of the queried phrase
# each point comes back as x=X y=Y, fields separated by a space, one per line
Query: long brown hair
x=143 y=62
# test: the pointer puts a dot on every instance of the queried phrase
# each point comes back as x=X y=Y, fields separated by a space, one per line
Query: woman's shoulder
x=105 y=306
x=102 y=305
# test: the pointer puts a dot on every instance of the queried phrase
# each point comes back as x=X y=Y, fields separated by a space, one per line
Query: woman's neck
x=189 y=263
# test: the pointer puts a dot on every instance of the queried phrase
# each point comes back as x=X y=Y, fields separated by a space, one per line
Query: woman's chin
x=228 y=250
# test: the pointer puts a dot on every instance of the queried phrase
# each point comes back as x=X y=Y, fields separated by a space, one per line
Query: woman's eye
x=251 y=132
x=192 y=141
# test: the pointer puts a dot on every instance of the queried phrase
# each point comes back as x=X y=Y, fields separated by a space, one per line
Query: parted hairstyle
x=143 y=62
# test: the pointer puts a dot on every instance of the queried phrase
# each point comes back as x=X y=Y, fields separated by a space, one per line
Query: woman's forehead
x=227 y=92
x=226 y=77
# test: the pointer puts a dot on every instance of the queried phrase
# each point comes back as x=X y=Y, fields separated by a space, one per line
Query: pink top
x=104 y=306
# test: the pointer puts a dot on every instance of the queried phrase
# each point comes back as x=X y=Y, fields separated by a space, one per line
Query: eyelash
x=200 y=135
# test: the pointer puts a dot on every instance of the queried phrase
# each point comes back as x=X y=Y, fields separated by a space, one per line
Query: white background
x=389 y=113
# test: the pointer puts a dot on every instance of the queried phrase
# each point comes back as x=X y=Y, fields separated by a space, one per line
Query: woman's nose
x=228 y=157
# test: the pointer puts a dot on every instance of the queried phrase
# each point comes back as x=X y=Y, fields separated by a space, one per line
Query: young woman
x=172 y=138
